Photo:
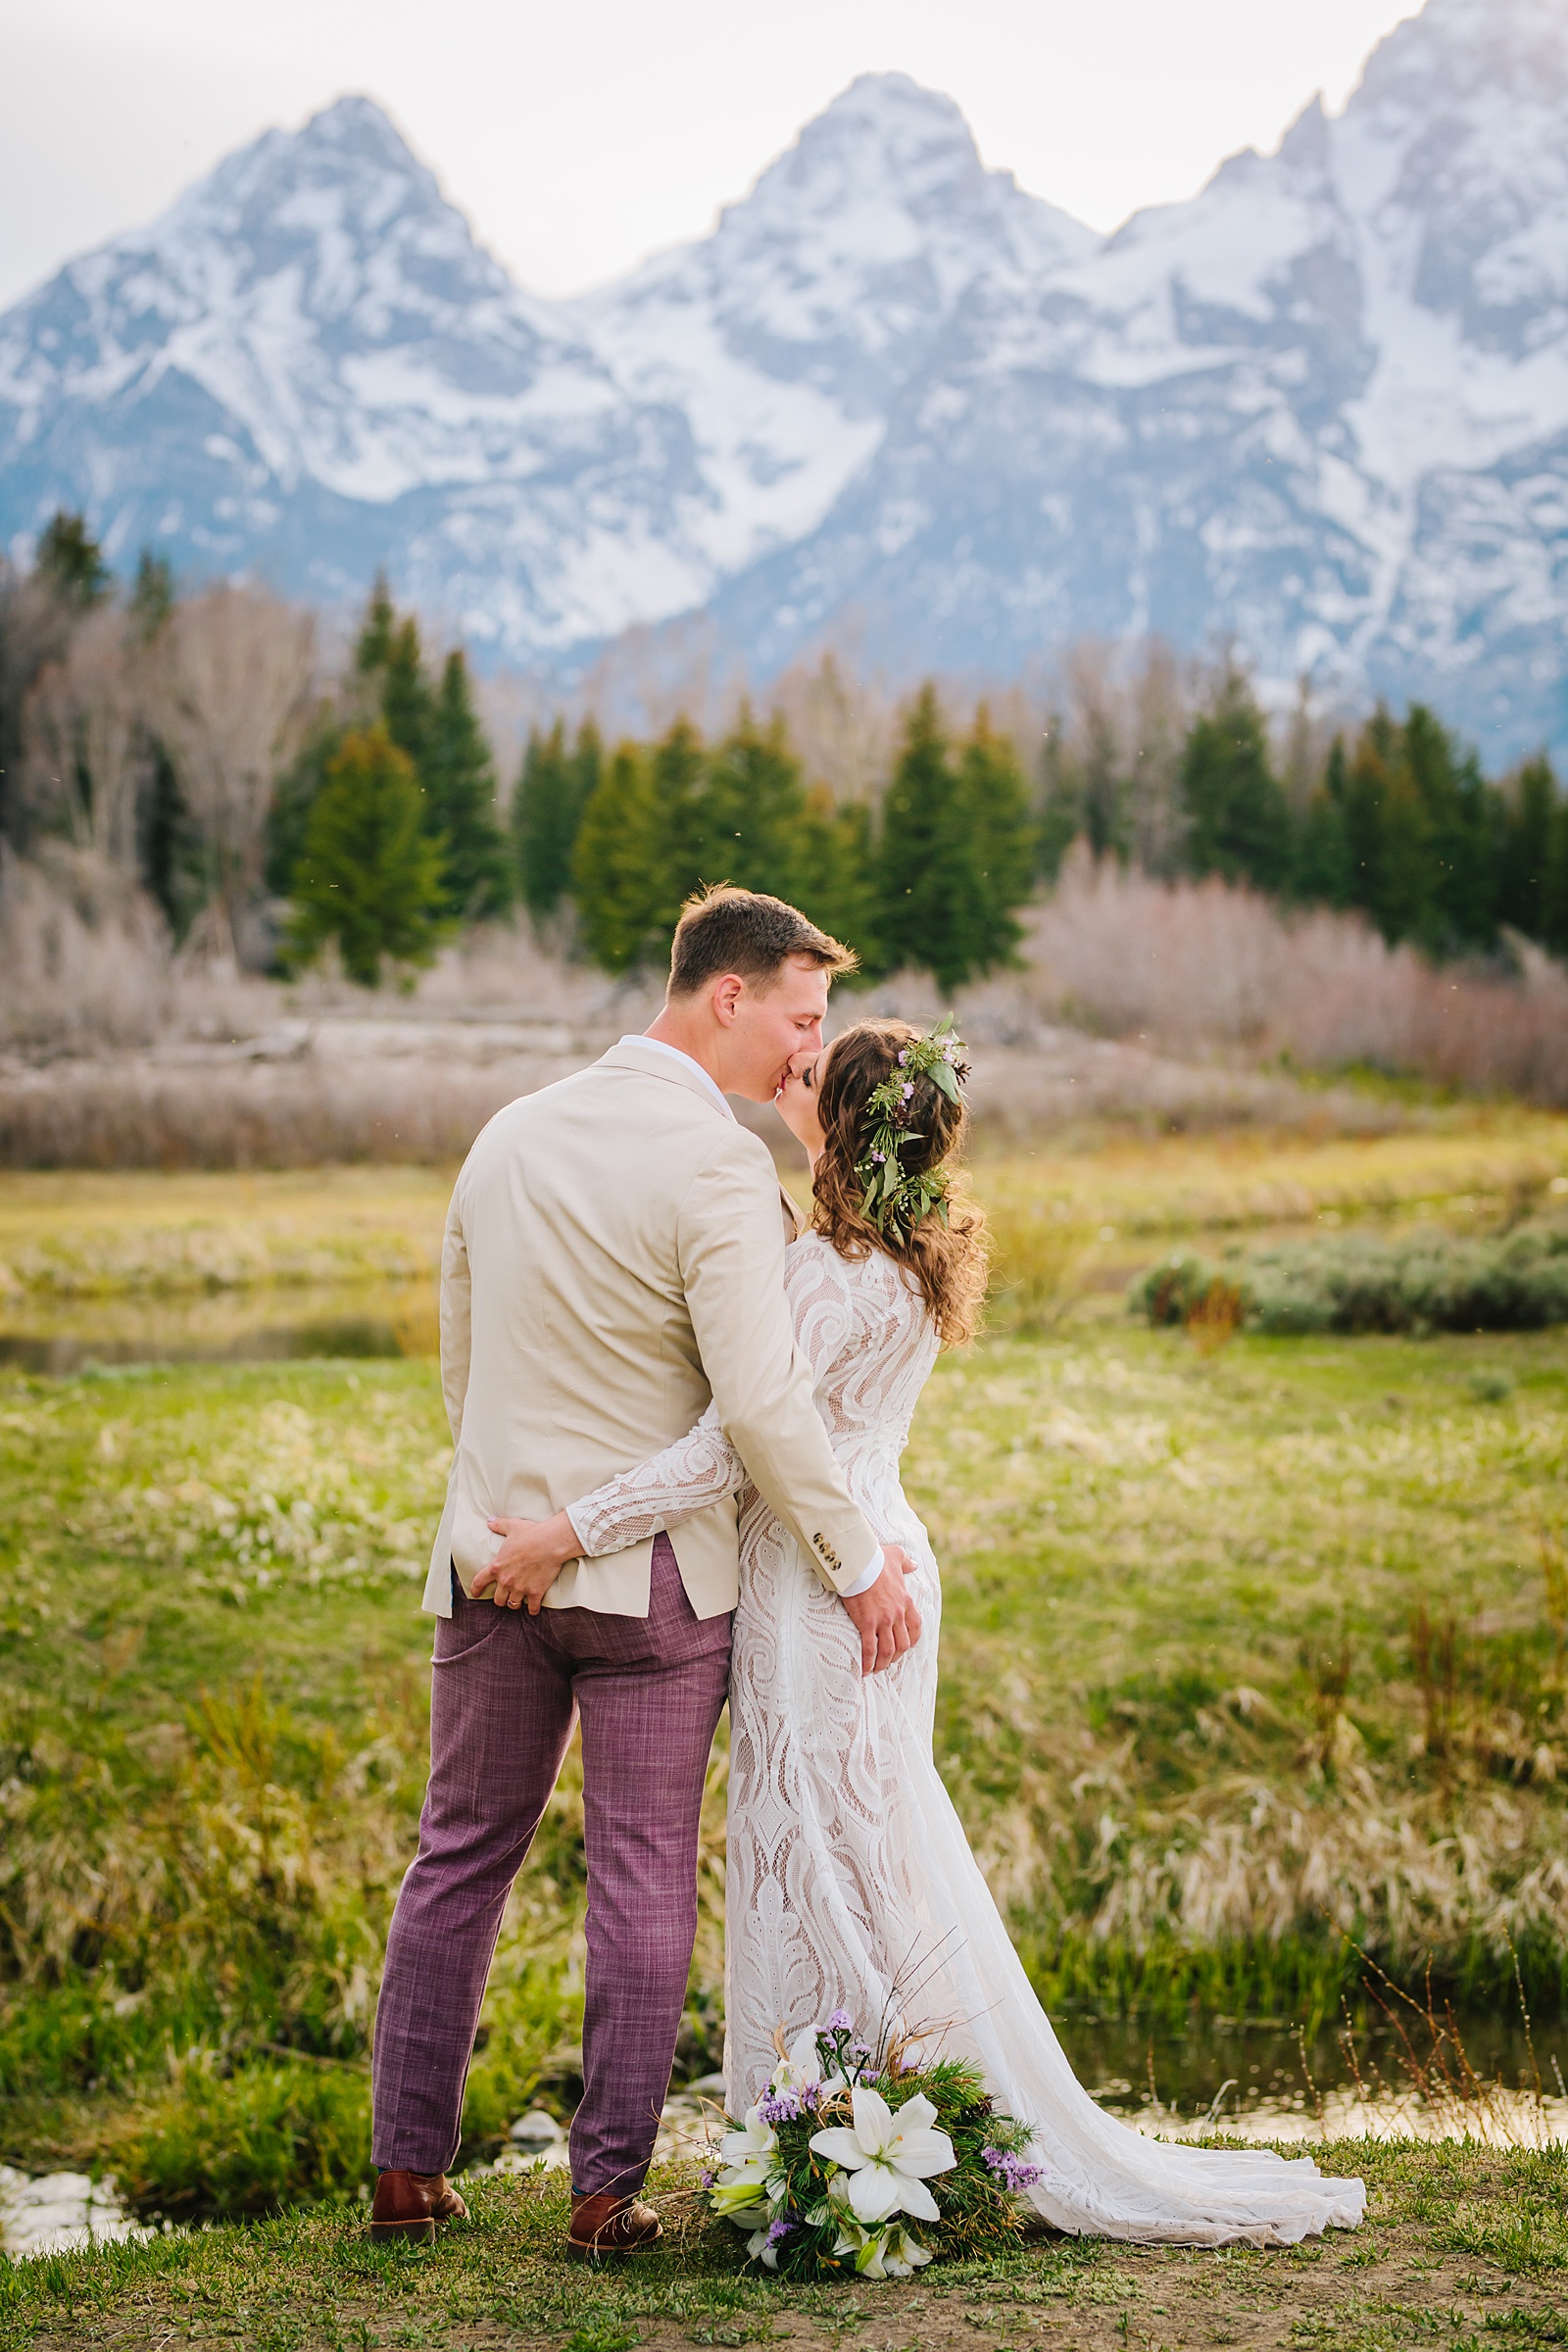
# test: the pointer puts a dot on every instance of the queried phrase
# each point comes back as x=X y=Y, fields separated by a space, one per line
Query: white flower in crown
x=889 y=2157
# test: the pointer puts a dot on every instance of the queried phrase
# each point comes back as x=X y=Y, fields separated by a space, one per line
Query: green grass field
x=1245 y=1649
x=1463 y=2250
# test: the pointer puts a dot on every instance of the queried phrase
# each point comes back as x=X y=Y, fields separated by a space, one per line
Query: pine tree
x=919 y=830
x=406 y=702
x=1530 y=811
x=460 y=801
x=1461 y=822
x=618 y=863
x=374 y=650
x=682 y=833
x=955 y=858
x=1239 y=821
x=1061 y=803
x=369 y=876
x=152 y=595
x=834 y=875
x=72 y=560
x=992 y=852
x=298 y=790
x=553 y=790
x=1554 y=895
x=750 y=808
x=1323 y=873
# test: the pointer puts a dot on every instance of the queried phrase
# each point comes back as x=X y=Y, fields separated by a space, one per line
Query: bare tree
x=844 y=727
x=235 y=671
x=85 y=741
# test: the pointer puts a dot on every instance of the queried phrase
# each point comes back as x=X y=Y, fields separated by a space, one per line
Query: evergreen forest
x=190 y=744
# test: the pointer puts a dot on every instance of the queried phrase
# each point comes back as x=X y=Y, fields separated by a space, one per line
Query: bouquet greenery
x=848 y=2145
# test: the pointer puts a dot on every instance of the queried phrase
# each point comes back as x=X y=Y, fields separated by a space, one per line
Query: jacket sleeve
x=731 y=1248
x=457 y=1316
x=699 y=1469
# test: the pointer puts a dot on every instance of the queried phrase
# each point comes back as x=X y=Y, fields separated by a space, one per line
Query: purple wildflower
x=903 y=1057
x=909 y=1088
x=863 y=2050
x=777 y=2232
x=708 y=2178
x=1013 y=2173
x=779 y=2107
x=841 y=2021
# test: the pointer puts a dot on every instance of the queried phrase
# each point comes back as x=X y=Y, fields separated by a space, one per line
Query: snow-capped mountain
x=1322 y=408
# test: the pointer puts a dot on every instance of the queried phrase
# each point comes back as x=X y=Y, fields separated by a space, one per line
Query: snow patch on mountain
x=1322 y=407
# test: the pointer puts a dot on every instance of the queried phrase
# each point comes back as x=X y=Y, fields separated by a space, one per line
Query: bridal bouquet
x=849 y=2145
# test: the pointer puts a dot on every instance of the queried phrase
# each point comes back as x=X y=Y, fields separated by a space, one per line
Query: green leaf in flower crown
x=941 y=1074
x=891 y=1172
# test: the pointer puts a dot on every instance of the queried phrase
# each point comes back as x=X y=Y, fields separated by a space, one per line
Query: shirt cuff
x=864 y=1582
x=576 y=1524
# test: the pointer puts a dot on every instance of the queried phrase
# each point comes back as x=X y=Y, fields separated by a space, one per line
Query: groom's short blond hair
x=723 y=929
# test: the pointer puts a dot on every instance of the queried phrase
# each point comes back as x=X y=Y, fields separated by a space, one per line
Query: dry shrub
x=1217 y=1316
x=1196 y=967
x=88 y=963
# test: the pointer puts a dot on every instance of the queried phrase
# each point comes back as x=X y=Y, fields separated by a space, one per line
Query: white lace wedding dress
x=851 y=1882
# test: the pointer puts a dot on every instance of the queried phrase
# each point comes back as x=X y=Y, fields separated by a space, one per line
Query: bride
x=851 y=1882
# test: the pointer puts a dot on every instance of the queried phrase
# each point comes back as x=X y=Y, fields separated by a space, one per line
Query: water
x=1250 y=2078
x=258 y=1326
x=52 y=2212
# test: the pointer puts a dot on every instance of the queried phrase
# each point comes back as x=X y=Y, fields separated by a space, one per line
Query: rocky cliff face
x=1322 y=408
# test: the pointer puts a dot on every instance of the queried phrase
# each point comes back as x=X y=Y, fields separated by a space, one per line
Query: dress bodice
x=872 y=1343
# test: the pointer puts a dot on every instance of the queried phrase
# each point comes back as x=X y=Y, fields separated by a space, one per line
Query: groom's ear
x=725 y=997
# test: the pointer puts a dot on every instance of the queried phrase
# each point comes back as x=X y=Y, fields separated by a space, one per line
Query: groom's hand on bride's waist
x=532 y=1554
x=884 y=1615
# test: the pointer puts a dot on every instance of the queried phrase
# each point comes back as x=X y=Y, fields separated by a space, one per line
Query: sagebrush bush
x=1425 y=1281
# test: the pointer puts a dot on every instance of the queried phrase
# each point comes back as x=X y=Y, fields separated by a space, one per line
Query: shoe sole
x=579 y=2251
x=413 y=2234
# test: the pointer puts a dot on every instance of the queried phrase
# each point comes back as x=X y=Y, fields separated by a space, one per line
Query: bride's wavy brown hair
x=946 y=1263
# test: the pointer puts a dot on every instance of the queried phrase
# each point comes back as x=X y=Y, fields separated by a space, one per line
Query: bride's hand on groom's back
x=532 y=1554
x=884 y=1615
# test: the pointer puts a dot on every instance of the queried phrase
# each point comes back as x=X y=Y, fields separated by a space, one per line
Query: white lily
x=751 y=2177
x=887 y=2253
x=889 y=2157
x=754 y=2143
x=802 y=2070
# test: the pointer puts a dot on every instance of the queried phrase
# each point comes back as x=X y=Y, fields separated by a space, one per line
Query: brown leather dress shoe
x=408 y=2205
x=607 y=2225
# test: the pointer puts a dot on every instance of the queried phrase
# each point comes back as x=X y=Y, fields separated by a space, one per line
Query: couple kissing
x=678 y=1421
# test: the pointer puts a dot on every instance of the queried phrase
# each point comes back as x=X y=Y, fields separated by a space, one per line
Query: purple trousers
x=507 y=1689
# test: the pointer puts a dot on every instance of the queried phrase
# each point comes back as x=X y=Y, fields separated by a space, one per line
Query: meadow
x=1255 y=1659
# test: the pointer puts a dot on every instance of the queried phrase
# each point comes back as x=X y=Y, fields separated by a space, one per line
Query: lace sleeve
x=700 y=1468
x=703 y=1466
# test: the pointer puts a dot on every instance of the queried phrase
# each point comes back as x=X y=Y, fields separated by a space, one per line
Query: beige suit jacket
x=613 y=1260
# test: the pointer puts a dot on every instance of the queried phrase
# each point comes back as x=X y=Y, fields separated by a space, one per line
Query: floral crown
x=896 y=1197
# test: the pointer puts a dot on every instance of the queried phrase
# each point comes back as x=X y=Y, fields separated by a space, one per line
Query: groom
x=614 y=1260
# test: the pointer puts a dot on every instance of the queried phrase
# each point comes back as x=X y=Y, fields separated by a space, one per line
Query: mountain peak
x=883 y=140
x=1451 y=47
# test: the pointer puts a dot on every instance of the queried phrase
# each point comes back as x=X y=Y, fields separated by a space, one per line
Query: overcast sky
x=579 y=135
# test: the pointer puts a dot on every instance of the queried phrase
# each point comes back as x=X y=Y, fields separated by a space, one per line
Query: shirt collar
x=657 y=1045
